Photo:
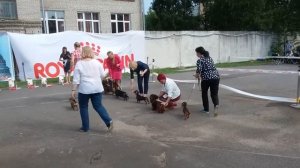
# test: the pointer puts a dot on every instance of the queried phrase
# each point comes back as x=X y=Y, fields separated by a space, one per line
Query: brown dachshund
x=107 y=85
x=156 y=105
x=140 y=98
x=74 y=104
x=185 y=110
x=153 y=101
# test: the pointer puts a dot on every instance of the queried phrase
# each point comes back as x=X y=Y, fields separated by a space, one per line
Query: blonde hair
x=133 y=65
x=87 y=52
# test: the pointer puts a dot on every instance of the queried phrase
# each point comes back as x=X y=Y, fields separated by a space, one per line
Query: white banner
x=38 y=55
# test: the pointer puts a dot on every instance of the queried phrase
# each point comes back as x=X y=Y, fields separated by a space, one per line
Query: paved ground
x=38 y=129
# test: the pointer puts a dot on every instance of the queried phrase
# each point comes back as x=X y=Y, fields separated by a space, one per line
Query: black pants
x=146 y=81
x=213 y=84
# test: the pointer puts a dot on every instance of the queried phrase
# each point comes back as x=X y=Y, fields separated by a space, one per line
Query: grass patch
x=23 y=84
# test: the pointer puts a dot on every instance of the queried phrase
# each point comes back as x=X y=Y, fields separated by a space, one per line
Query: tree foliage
x=172 y=15
x=280 y=16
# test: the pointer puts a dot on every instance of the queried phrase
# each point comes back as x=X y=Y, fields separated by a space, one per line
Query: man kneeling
x=170 y=93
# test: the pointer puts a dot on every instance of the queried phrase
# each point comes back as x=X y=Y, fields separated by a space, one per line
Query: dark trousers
x=140 y=80
x=213 y=84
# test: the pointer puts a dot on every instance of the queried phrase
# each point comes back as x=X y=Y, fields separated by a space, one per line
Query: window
x=54 y=21
x=120 y=23
x=8 y=9
x=88 y=22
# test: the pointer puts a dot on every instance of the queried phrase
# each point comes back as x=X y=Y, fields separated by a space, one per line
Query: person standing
x=65 y=57
x=170 y=92
x=143 y=73
x=113 y=63
x=210 y=78
x=76 y=55
x=87 y=79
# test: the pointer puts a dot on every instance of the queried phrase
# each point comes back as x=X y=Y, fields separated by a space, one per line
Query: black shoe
x=216 y=110
x=83 y=130
x=110 y=126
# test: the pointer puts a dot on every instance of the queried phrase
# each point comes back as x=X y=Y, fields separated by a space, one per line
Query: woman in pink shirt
x=76 y=55
x=114 y=66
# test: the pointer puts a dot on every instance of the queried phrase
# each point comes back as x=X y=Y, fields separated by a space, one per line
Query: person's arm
x=144 y=67
x=61 y=57
x=102 y=72
x=198 y=70
x=76 y=81
x=143 y=73
x=72 y=60
x=69 y=55
x=131 y=79
x=118 y=62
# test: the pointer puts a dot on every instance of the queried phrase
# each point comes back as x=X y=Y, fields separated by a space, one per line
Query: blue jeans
x=96 y=99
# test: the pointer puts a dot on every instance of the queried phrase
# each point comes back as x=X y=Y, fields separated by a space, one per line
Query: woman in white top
x=88 y=74
x=170 y=93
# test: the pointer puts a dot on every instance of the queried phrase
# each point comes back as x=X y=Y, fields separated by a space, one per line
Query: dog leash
x=194 y=86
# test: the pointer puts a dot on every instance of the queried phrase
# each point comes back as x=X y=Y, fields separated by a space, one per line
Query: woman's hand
x=197 y=75
x=165 y=103
x=142 y=73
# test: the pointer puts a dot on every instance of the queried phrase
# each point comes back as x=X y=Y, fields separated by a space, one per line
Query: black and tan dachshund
x=120 y=93
x=140 y=98
x=185 y=110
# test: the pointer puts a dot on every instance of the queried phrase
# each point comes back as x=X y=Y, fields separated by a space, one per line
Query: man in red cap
x=170 y=92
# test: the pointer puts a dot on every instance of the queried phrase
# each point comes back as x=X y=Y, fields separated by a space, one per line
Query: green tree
x=234 y=15
x=172 y=15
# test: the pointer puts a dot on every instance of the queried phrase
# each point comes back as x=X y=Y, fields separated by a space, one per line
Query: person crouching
x=170 y=92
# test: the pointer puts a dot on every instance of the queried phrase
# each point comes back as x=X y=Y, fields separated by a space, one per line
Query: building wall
x=176 y=49
x=103 y=7
x=29 y=14
x=28 y=10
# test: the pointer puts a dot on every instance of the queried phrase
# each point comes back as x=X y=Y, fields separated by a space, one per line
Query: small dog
x=61 y=80
x=140 y=98
x=159 y=107
x=120 y=93
x=153 y=101
x=185 y=110
x=156 y=105
x=107 y=85
x=74 y=104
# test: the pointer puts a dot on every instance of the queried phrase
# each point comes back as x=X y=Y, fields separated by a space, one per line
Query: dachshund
x=153 y=101
x=74 y=104
x=160 y=108
x=185 y=110
x=107 y=85
x=141 y=98
x=120 y=93
x=156 y=105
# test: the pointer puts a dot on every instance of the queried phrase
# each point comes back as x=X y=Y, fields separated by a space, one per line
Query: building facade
x=52 y=16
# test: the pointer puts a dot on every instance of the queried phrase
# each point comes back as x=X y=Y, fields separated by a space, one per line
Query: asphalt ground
x=39 y=129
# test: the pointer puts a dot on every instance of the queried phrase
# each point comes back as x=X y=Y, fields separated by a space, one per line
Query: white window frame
x=124 y=21
x=83 y=20
x=56 y=21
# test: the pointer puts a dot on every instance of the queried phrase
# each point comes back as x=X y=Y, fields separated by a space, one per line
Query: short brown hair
x=87 y=52
x=76 y=44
